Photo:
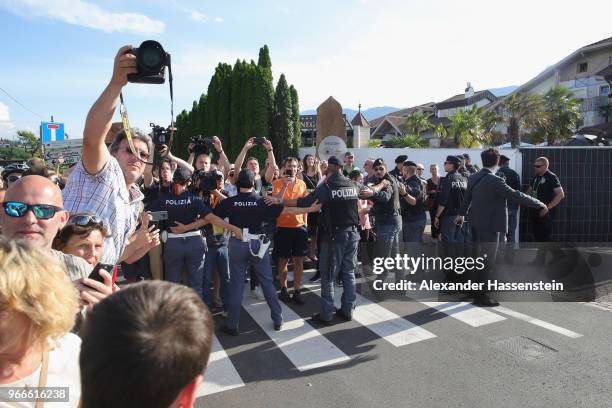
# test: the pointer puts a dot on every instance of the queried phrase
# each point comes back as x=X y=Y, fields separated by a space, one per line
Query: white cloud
x=7 y=127
x=219 y=19
x=82 y=13
x=199 y=17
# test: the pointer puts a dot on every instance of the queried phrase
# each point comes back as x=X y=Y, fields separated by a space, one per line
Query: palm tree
x=467 y=127
x=411 y=141
x=562 y=112
x=526 y=110
x=417 y=123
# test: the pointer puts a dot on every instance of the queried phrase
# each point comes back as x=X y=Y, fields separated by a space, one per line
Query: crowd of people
x=214 y=226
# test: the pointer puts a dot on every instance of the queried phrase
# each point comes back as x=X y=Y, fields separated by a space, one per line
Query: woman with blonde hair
x=37 y=310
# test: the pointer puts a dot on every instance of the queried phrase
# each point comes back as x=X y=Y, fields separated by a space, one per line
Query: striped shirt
x=105 y=195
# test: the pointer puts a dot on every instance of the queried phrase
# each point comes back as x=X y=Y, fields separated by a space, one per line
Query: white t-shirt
x=63 y=371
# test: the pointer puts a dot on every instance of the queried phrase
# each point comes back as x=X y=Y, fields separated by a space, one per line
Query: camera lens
x=151 y=56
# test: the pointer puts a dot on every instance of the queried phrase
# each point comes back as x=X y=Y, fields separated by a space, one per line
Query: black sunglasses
x=84 y=220
x=380 y=168
x=13 y=178
x=17 y=209
x=537 y=166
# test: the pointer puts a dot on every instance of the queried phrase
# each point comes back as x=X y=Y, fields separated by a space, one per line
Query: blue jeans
x=185 y=252
x=338 y=258
x=451 y=232
x=216 y=256
x=240 y=258
x=387 y=243
x=412 y=231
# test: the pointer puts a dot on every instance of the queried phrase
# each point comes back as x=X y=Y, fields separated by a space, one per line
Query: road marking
x=303 y=345
x=538 y=322
x=466 y=313
x=388 y=325
x=220 y=375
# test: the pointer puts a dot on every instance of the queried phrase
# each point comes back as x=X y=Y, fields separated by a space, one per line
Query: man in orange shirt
x=291 y=238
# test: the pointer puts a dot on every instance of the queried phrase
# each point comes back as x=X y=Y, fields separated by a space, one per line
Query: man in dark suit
x=485 y=206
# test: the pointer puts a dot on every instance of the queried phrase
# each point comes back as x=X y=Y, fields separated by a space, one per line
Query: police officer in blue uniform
x=339 y=229
x=248 y=211
x=184 y=246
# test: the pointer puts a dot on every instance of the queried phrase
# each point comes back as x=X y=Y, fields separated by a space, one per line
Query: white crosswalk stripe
x=304 y=345
x=538 y=322
x=388 y=325
x=466 y=313
x=220 y=375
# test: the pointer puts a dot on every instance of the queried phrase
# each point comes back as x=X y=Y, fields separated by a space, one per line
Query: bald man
x=33 y=212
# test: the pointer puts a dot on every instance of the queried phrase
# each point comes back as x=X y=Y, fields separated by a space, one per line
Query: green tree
x=466 y=127
x=411 y=141
x=525 y=111
x=562 y=112
x=283 y=119
x=373 y=143
x=417 y=123
x=30 y=142
x=296 y=139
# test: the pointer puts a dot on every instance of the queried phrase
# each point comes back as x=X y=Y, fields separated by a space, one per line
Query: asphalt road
x=404 y=353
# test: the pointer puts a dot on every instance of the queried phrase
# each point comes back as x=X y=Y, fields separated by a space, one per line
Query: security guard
x=248 y=211
x=339 y=229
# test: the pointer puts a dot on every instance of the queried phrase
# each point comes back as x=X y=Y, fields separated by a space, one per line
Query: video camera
x=205 y=181
x=161 y=136
x=201 y=144
x=152 y=61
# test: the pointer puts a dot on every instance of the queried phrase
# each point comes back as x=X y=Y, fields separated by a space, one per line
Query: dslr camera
x=201 y=144
x=205 y=181
x=161 y=136
x=152 y=61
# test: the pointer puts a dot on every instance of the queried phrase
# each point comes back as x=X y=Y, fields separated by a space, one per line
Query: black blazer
x=485 y=202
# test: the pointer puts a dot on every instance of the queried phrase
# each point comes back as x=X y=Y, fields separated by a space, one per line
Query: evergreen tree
x=296 y=140
x=283 y=119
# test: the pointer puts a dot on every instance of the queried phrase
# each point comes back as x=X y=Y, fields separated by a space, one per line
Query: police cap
x=453 y=159
x=181 y=175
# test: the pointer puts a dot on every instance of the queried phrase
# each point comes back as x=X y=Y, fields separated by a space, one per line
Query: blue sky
x=57 y=54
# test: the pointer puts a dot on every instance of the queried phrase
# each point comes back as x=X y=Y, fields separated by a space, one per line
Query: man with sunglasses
x=546 y=187
x=386 y=211
x=33 y=212
x=104 y=182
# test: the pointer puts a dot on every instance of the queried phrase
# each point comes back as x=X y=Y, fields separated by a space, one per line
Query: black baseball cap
x=181 y=175
x=334 y=160
x=246 y=178
x=378 y=162
x=401 y=158
x=503 y=158
x=453 y=160
x=466 y=156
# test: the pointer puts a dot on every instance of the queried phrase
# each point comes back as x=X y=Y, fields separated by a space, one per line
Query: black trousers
x=485 y=242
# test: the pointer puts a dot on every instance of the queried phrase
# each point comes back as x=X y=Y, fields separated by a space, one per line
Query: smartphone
x=159 y=216
x=95 y=274
x=259 y=140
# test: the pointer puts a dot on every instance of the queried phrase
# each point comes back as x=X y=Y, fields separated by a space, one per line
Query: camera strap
x=126 y=122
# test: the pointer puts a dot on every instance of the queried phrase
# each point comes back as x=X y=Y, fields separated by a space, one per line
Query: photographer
x=152 y=187
x=199 y=150
x=253 y=163
x=187 y=213
x=104 y=183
